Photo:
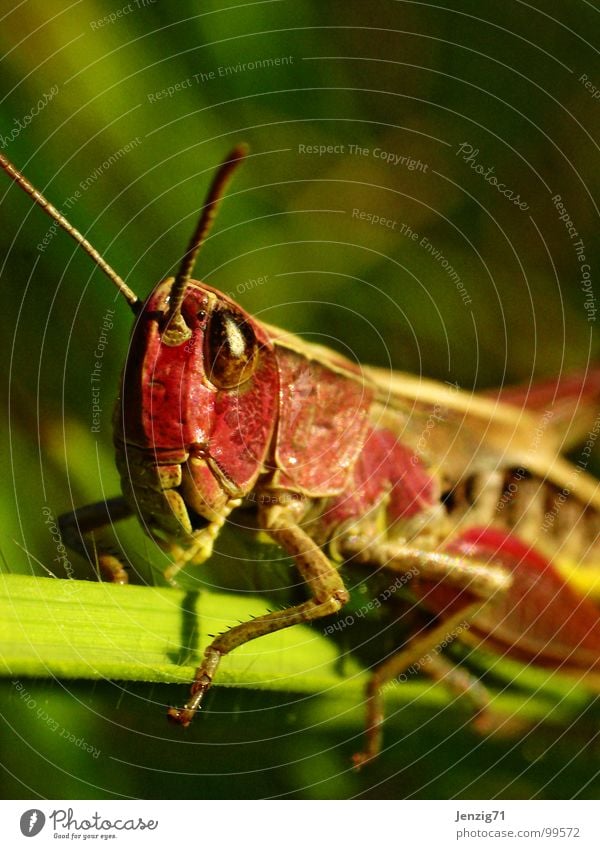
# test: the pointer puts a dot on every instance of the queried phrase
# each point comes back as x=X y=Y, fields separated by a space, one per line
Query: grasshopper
x=217 y=411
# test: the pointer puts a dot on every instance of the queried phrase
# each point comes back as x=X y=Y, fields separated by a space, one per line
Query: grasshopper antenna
x=53 y=212
x=174 y=324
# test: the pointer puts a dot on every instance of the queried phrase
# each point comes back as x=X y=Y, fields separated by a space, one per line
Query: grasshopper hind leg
x=81 y=523
x=467 y=585
x=424 y=657
x=420 y=652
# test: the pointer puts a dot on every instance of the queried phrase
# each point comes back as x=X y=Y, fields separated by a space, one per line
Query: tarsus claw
x=180 y=716
x=360 y=759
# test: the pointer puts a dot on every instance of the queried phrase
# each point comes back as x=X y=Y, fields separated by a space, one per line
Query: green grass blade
x=83 y=629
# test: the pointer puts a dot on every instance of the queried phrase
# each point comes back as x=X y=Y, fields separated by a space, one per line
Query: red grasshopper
x=217 y=409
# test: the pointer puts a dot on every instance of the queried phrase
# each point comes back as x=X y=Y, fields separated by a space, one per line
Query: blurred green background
x=141 y=101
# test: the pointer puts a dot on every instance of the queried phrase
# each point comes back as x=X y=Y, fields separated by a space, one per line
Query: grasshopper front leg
x=328 y=596
x=76 y=525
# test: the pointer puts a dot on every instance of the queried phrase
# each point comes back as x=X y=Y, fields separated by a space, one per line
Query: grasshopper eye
x=230 y=349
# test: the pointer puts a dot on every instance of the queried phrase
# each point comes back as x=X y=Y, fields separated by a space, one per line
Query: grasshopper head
x=200 y=388
x=199 y=395
x=197 y=409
